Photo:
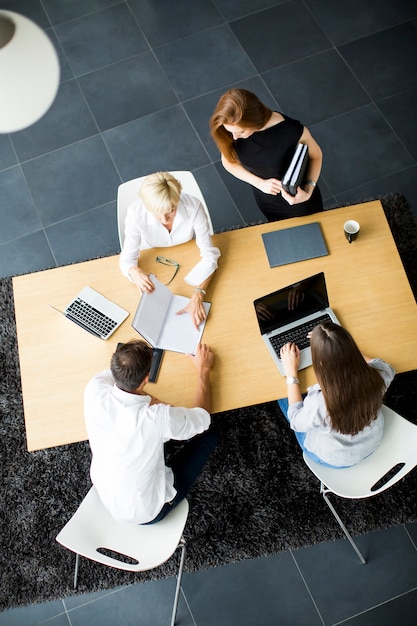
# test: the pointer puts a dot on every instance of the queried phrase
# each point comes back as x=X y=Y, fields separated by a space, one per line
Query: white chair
x=92 y=528
x=394 y=458
x=128 y=192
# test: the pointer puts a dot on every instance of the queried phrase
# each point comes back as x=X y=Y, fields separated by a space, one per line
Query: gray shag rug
x=255 y=497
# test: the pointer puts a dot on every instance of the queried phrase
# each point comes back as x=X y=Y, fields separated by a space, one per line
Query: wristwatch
x=292 y=380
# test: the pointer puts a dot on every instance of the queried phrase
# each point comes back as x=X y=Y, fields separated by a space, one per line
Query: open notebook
x=157 y=321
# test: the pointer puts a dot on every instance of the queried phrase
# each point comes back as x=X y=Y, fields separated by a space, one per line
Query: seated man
x=127 y=430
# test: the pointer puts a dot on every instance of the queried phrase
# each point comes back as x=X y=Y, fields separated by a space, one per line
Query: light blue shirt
x=335 y=448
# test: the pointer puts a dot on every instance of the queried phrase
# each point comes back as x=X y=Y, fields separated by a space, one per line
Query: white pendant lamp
x=29 y=72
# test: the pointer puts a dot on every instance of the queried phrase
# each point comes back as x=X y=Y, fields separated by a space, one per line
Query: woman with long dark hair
x=339 y=422
x=257 y=145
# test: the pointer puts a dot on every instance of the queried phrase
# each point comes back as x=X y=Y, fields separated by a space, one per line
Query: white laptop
x=95 y=313
x=290 y=313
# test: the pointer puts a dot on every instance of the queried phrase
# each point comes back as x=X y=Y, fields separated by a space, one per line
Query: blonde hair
x=159 y=192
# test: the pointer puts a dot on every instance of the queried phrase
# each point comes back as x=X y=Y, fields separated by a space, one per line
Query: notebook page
x=151 y=312
x=178 y=332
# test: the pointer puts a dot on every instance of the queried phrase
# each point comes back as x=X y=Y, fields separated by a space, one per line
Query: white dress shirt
x=127 y=438
x=144 y=231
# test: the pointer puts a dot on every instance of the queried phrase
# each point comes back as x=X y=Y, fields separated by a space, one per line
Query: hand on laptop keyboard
x=290 y=357
x=299 y=335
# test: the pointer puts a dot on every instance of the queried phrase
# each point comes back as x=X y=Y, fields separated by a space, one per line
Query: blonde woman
x=164 y=216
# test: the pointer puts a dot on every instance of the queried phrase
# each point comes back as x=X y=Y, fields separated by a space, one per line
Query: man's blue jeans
x=187 y=465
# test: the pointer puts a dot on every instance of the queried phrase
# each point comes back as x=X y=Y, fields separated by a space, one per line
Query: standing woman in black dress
x=257 y=145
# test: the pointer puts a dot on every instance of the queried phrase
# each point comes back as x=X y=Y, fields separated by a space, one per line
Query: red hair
x=240 y=107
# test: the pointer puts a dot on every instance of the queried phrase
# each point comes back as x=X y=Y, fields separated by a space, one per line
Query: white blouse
x=144 y=231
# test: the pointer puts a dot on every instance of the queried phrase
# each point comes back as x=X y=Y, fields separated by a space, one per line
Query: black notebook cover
x=298 y=243
x=294 y=176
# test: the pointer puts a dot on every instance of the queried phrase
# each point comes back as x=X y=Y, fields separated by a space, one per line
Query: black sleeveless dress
x=267 y=154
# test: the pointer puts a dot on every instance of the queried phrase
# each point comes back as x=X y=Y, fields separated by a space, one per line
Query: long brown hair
x=236 y=106
x=353 y=391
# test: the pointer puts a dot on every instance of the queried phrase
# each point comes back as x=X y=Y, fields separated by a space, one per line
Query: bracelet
x=311 y=182
x=292 y=380
x=200 y=290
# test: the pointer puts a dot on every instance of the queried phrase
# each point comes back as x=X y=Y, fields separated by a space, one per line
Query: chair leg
x=324 y=491
x=77 y=565
x=179 y=578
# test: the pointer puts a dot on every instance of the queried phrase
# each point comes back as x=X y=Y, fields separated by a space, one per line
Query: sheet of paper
x=150 y=314
x=157 y=321
x=178 y=332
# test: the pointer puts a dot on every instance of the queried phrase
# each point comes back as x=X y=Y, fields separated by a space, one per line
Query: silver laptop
x=95 y=313
x=289 y=314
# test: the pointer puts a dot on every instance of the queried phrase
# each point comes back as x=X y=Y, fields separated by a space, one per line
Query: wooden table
x=367 y=286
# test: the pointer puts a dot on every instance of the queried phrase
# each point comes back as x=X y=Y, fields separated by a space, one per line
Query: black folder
x=297 y=243
x=294 y=175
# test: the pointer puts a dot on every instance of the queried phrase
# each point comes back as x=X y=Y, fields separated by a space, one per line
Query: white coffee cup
x=351 y=228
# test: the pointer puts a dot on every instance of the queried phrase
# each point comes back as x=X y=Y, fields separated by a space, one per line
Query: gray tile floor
x=139 y=80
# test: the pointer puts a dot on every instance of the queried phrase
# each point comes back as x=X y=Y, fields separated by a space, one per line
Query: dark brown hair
x=241 y=107
x=130 y=364
x=353 y=390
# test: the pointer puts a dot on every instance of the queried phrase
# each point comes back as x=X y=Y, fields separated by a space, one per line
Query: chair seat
x=395 y=457
x=92 y=527
x=398 y=446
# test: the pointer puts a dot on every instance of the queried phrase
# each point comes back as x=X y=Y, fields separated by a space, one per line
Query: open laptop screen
x=291 y=303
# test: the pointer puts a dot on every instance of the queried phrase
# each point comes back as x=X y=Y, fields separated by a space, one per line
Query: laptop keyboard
x=297 y=335
x=90 y=318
